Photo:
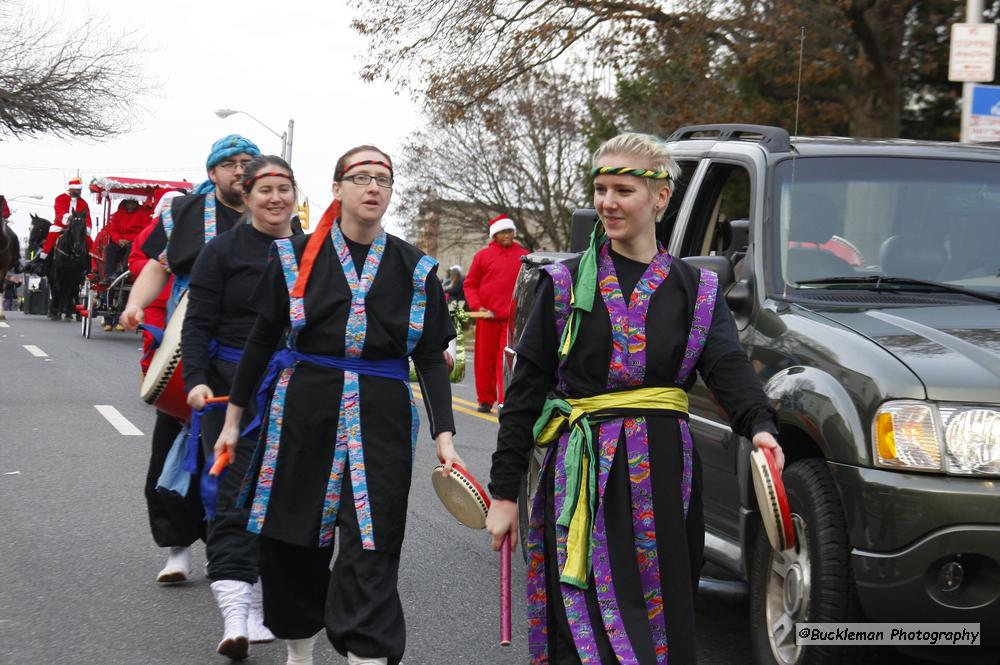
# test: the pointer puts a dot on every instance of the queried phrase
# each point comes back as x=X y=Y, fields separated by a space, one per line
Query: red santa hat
x=74 y=183
x=501 y=223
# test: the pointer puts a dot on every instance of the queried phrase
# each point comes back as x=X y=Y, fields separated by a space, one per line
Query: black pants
x=357 y=602
x=174 y=521
x=232 y=551
x=115 y=259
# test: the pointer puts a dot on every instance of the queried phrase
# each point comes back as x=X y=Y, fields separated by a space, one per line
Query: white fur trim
x=505 y=224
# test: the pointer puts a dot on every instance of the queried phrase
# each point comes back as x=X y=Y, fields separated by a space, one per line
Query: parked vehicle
x=865 y=279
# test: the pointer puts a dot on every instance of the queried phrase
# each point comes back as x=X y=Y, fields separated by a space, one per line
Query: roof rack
x=772 y=139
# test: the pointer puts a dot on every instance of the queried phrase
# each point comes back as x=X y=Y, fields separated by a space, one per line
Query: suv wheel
x=811 y=582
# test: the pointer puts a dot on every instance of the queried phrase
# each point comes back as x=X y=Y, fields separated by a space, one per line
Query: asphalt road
x=77 y=563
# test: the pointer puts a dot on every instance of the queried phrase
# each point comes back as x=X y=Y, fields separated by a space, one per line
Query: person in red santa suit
x=126 y=223
x=488 y=288
x=66 y=204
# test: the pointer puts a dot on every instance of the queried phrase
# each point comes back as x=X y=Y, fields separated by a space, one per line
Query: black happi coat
x=188 y=236
x=727 y=372
x=312 y=402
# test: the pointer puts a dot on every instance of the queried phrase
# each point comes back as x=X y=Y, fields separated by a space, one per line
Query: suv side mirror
x=581 y=226
x=738 y=241
x=720 y=265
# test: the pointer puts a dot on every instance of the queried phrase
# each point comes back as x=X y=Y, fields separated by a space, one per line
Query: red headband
x=248 y=184
x=366 y=162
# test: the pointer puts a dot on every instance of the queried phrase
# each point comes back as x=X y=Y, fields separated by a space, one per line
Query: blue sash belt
x=391 y=368
x=229 y=354
x=209 y=485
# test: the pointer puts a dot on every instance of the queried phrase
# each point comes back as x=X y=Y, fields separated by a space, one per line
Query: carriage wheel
x=85 y=317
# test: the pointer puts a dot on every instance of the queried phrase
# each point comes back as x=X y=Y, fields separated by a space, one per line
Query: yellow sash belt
x=579 y=416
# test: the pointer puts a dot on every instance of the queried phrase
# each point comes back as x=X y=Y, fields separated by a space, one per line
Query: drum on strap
x=771 y=499
x=469 y=503
x=163 y=385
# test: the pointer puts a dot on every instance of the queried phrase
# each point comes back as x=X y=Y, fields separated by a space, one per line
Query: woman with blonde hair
x=616 y=531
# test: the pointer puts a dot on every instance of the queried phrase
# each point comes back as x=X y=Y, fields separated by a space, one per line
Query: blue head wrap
x=234 y=144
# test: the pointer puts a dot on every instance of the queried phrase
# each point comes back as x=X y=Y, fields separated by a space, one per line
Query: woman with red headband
x=219 y=319
x=338 y=439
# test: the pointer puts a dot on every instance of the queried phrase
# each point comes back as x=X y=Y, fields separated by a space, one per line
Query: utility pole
x=288 y=141
x=973 y=14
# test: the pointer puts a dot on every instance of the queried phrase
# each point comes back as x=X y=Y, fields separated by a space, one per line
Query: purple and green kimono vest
x=627 y=368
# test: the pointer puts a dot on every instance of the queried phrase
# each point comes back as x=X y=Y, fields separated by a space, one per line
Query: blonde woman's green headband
x=625 y=170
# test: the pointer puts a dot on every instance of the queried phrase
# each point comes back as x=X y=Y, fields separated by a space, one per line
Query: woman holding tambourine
x=616 y=532
x=341 y=424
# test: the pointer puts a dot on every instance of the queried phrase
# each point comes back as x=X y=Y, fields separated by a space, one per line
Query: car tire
x=811 y=582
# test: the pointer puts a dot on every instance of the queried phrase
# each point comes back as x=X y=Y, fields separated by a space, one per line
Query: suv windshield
x=929 y=220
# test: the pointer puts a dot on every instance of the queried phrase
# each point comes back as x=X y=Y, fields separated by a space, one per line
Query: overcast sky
x=275 y=60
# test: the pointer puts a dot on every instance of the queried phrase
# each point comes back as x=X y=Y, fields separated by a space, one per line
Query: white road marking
x=4 y=324
x=35 y=351
x=117 y=420
x=13 y=473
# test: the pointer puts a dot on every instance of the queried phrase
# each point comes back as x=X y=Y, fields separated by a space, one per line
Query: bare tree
x=726 y=59
x=523 y=155
x=76 y=82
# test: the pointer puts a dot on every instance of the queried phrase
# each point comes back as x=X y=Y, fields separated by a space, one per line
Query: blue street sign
x=986 y=100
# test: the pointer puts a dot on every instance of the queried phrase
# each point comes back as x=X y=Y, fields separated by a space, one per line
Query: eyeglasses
x=230 y=165
x=363 y=179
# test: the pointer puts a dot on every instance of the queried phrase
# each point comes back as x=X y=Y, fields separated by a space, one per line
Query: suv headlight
x=921 y=436
x=972 y=439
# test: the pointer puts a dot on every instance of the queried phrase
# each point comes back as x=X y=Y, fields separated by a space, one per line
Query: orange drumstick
x=221 y=462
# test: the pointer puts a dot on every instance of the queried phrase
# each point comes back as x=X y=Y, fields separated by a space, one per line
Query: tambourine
x=468 y=502
x=771 y=499
x=464 y=498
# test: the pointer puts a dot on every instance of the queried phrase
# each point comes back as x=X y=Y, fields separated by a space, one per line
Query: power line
x=22 y=167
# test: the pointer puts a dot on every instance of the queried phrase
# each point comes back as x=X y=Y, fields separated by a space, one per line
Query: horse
x=10 y=257
x=39 y=230
x=68 y=264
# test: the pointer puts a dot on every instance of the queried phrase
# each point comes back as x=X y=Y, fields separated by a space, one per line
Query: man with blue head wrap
x=182 y=230
x=191 y=221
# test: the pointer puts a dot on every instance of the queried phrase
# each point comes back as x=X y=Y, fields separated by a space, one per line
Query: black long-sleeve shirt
x=219 y=299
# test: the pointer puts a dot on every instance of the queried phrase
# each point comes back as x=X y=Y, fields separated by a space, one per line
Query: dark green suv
x=865 y=279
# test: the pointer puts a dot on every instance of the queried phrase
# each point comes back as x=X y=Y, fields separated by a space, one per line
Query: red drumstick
x=505 y=592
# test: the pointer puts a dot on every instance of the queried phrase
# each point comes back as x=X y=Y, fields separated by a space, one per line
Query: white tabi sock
x=177 y=568
x=361 y=660
x=233 y=598
x=300 y=652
